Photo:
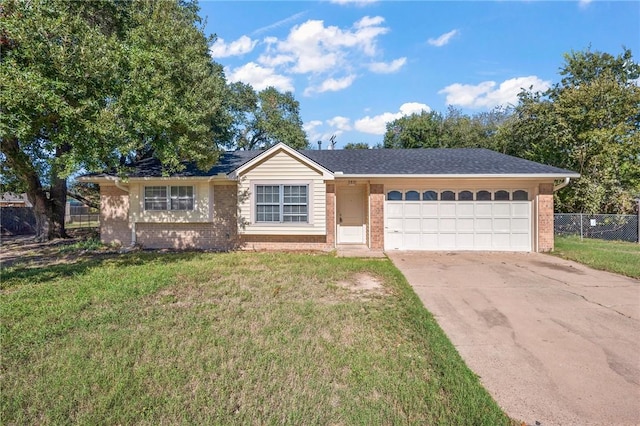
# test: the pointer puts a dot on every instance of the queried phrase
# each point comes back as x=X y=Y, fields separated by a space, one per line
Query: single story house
x=280 y=198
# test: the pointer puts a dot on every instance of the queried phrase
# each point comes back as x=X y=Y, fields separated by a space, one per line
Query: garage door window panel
x=520 y=195
x=448 y=196
x=412 y=196
x=465 y=196
x=483 y=196
x=502 y=195
x=394 y=196
x=429 y=196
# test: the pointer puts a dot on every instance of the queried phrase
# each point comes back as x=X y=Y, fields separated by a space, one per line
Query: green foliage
x=453 y=130
x=261 y=120
x=589 y=122
x=356 y=145
x=86 y=85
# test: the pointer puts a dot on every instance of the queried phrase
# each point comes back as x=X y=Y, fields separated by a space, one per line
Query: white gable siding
x=281 y=168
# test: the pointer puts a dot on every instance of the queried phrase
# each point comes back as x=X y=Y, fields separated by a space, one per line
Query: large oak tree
x=90 y=85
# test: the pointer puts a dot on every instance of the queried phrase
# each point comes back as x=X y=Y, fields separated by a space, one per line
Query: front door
x=351 y=212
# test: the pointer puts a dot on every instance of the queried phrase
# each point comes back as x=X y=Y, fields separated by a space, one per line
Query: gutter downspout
x=561 y=185
x=118 y=183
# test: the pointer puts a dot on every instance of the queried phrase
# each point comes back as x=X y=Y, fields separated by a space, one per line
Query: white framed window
x=181 y=198
x=168 y=198
x=280 y=203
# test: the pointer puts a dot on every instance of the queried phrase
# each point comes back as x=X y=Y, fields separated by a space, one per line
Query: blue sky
x=355 y=65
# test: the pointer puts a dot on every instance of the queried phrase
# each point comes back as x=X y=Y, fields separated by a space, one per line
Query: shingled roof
x=393 y=162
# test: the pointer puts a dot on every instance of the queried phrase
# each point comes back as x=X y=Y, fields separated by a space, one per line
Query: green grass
x=237 y=338
x=613 y=256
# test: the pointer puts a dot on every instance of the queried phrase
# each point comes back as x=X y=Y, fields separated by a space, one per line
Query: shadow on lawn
x=17 y=275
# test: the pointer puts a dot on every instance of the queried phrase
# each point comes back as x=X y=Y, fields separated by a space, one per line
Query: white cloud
x=488 y=94
x=316 y=48
x=243 y=45
x=369 y=21
x=387 y=68
x=274 y=61
x=279 y=23
x=354 y=2
x=331 y=85
x=377 y=125
x=443 y=39
x=311 y=125
x=584 y=3
x=260 y=77
x=340 y=123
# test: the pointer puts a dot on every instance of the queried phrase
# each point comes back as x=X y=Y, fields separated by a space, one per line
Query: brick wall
x=331 y=215
x=114 y=216
x=220 y=234
x=545 y=217
x=284 y=242
x=376 y=204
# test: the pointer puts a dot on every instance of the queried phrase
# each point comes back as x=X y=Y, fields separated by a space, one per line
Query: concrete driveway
x=553 y=341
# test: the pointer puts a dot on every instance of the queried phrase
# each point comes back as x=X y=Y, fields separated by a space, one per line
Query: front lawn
x=613 y=256
x=238 y=338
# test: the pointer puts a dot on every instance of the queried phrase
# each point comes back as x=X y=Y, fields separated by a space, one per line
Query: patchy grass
x=237 y=338
x=613 y=256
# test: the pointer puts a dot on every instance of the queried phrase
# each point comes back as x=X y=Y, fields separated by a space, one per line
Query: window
x=394 y=196
x=412 y=196
x=465 y=196
x=180 y=198
x=448 y=196
x=430 y=196
x=502 y=196
x=483 y=196
x=520 y=195
x=282 y=203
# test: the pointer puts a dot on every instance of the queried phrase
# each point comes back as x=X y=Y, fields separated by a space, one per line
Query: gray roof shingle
x=440 y=161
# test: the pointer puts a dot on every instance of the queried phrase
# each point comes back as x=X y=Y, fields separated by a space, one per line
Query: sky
x=354 y=65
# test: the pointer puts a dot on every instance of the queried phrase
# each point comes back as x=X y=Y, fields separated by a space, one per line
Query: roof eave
x=460 y=176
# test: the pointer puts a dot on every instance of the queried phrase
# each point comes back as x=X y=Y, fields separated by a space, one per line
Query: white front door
x=350 y=215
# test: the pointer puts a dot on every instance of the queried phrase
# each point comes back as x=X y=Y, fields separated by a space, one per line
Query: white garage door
x=458 y=225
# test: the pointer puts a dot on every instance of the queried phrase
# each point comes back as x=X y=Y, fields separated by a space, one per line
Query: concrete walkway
x=357 y=250
x=553 y=341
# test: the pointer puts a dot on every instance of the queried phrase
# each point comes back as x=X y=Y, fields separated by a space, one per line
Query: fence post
x=581 y=227
x=638 y=200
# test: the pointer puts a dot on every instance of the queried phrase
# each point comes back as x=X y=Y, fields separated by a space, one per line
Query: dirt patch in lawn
x=363 y=284
x=24 y=251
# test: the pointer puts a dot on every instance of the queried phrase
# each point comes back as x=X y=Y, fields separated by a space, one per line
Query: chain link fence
x=622 y=227
x=82 y=217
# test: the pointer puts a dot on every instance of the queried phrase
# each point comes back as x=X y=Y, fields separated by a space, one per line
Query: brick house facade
x=282 y=199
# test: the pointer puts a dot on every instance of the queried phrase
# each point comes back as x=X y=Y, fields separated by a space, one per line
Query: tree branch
x=82 y=199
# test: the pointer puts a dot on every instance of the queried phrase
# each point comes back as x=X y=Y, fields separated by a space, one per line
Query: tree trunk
x=49 y=210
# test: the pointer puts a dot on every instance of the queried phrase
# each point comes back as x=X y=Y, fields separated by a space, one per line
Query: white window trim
x=310 y=195
x=168 y=199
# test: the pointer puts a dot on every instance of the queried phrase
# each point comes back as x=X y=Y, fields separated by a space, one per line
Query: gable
x=281 y=165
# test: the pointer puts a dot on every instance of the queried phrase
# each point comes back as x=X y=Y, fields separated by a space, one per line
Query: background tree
x=589 y=122
x=88 y=85
x=452 y=130
x=422 y=130
x=261 y=120
x=356 y=145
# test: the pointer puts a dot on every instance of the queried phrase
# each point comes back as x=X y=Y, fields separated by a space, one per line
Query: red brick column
x=376 y=206
x=114 y=216
x=331 y=215
x=545 y=217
